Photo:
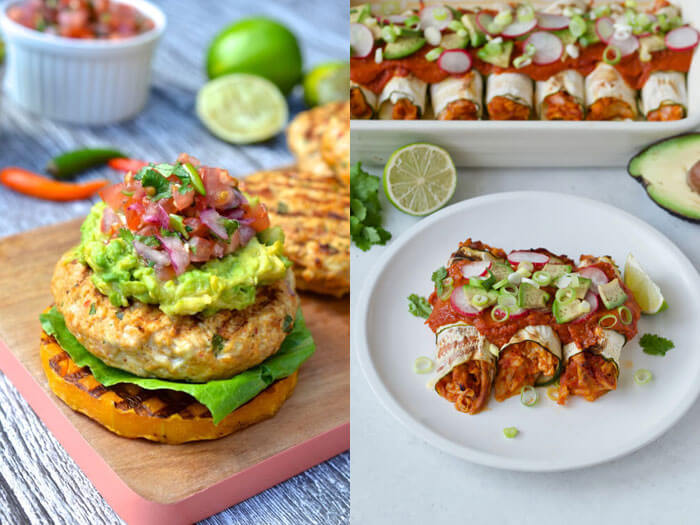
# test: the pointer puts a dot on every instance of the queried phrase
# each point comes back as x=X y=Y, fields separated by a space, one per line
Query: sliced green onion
x=615 y=59
x=542 y=278
x=525 y=268
x=503 y=18
x=565 y=295
x=577 y=26
x=510 y=289
x=607 y=321
x=553 y=393
x=423 y=365
x=446 y=292
x=522 y=61
x=631 y=4
x=507 y=300
x=528 y=396
x=510 y=432
x=530 y=51
x=500 y=284
x=480 y=300
x=525 y=13
x=643 y=376
x=500 y=314
x=601 y=10
x=625 y=315
x=433 y=54
x=455 y=25
x=388 y=34
x=412 y=22
x=440 y=13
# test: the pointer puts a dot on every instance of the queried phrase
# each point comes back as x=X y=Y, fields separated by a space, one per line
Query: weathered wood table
x=39 y=483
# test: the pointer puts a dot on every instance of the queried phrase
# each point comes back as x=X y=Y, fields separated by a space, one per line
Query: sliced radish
x=605 y=28
x=361 y=40
x=537 y=259
x=518 y=28
x=682 y=38
x=627 y=46
x=516 y=313
x=436 y=16
x=484 y=21
x=476 y=269
x=550 y=22
x=548 y=47
x=455 y=61
x=596 y=275
x=461 y=304
x=592 y=300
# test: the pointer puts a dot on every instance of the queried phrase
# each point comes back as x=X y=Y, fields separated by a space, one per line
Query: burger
x=176 y=318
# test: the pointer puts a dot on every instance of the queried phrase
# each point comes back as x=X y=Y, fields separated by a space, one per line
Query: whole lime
x=258 y=46
x=326 y=83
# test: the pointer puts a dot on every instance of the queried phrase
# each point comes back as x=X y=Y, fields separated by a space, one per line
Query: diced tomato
x=182 y=200
x=199 y=229
x=113 y=196
x=184 y=158
x=261 y=221
x=134 y=211
x=200 y=249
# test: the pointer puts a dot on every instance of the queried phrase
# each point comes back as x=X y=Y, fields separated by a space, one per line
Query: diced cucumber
x=612 y=294
x=402 y=47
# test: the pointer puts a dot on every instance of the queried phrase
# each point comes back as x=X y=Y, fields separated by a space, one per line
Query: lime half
x=326 y=83
x=242 y=108
x=646 y=292
x=419 y=178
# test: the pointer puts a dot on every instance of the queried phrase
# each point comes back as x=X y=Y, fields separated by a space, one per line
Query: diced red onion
x=153 y=255
x=179 y=256
x=246 y=233
x=109 y=219
x=212 y=219
x=156 y=214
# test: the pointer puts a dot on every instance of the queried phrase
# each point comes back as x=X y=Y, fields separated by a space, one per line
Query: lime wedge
x=646 y=292
x=242 y=108
x=419 y=178
x=326 y=83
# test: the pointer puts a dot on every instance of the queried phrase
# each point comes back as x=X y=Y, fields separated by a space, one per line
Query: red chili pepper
x=35 y=185
x=124 y=164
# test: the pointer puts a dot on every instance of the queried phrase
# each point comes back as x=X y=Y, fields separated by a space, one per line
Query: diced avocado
x=670 y=172
x=612 y=294
x=476 y=37
x=483 y=282
x=582 y=287
x=402 y=47
x=501 y=270
x=650 y=44
x=564 y=313
x=556 y=270
x=496 y=53
x=454 y=41
x=529 y=296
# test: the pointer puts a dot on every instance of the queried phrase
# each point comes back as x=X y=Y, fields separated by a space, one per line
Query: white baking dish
x=82 y=81
x=531 y=143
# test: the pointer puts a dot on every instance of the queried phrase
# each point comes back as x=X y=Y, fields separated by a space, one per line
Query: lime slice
x=241 y=108
x=326 y=83
x=646 y=292
x=419 y=178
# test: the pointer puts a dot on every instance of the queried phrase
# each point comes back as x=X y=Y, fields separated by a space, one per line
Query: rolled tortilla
x=561 y=96
x=458 y=98
x=363 y=102
x=509 y=96
x=465 y=367
x=664 y=96
x=403 y=98
x=608 y=96
x=532 y=356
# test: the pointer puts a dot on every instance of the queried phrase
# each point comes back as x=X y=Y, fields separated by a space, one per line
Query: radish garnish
x=605 y=29
x=627 y=46
x=552 y=22
x=682 y=38
x=476 y=269
x=485 y=21
x=548 y=47
x=537 y=259
x=516 y=312
x=461 y=304
x=361 y=40
x=519 y=28
x=596 y=275
x=455 y=61
x=436 y=16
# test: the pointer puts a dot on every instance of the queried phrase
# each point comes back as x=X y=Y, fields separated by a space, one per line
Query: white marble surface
x=397 y=478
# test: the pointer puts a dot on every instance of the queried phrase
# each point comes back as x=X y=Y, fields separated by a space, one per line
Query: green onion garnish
x=608 y=321
x=480 y=300
x=625 y=315
x=423 y=365
x=510 y=290
x=643 y=376
x=499 y=314
x=615 y=59
x=565 y=295
x=528 y=396
x=542 y=278
x=510 y=432
x=433 y=54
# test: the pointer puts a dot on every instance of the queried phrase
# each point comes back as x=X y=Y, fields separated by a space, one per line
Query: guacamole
x=226 y=283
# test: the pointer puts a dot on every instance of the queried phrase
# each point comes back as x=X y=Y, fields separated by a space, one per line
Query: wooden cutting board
x=146 y=482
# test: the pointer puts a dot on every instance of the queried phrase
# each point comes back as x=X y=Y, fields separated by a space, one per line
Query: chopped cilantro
x=419 y=306
x=152 y=178
x=148 y=240
x=167 y=233
x=93 y=309
x=230 y=225
x=365 y=210
x=217 y=344
x=288 y=324
x=438 y=277
x=655 y=344
x=126 y=235
x=282 y=208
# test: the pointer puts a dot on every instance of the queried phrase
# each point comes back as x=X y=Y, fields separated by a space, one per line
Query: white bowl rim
x=27 y=34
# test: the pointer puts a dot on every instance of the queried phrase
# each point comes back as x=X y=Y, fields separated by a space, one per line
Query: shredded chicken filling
x=404 y=109
x=359 y=108
x=467 y=386
x=608 y=108
x=520 y=365
x=462 y=109
x=587 y=375
x=503 y=108
x=666 y=113
x=562 y=106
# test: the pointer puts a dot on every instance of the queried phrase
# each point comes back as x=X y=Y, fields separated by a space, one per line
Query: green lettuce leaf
x=221 y=396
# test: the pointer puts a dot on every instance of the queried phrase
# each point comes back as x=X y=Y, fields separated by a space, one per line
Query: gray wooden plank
x=39 y=482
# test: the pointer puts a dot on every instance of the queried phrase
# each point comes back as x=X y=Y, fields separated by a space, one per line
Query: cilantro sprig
x=151 y=177
x=419 y=306
x=655 y=344
x=438 y=277
x=365 y=210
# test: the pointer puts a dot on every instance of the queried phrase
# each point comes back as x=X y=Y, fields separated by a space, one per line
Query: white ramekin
x=78 y=80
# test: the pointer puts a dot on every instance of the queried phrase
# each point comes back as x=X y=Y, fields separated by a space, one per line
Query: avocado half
x=664 y=169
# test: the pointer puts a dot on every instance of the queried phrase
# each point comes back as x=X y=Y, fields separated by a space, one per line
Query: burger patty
x=143 y=340
x=314 y=213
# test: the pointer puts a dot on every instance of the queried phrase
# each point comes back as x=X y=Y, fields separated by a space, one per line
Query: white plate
x=387 y=338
